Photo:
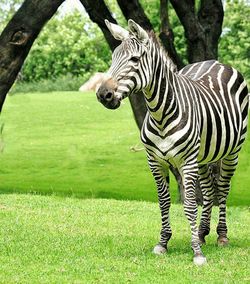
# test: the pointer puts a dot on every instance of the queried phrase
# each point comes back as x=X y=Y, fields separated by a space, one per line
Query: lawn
x=52 y=239
x=66 y=143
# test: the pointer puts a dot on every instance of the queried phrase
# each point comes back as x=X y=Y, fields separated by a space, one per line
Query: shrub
x=69 y=45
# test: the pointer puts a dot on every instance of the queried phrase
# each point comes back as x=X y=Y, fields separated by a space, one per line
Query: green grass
x=49 y=239
x=67 y=143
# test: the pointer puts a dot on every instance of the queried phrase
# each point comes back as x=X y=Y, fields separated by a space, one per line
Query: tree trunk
x=18 y=37
x=202 y=29
x=210 y=16
x=167 y=36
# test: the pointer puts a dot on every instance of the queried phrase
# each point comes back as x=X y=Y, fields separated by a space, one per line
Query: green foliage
x=66 y=143
x=47 y=239
x=234 y=47
x=67 y=45
x=7 y=10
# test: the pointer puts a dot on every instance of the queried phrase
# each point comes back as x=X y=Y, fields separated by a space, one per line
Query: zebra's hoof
x=199 y=260
x=222 y=241
x=159 y=249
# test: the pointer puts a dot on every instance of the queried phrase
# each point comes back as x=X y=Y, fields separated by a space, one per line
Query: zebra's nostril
x=109 y=96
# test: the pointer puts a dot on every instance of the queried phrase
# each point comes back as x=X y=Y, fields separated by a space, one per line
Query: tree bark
x=18 y=37
x=202 y=29
x=210 y=16
x=167 y=36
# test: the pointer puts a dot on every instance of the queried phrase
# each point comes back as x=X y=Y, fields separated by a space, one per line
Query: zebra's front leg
x=161 y=176
x=189 y=174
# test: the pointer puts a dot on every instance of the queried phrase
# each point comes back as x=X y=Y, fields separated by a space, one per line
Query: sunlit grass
x=48 y=239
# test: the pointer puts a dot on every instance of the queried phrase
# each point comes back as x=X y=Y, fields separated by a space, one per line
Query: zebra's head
x=128 y=60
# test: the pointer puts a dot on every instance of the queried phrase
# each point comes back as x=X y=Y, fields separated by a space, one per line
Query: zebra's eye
x=134 y=59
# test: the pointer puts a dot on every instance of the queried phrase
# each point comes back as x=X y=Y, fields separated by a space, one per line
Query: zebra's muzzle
x=106 y=94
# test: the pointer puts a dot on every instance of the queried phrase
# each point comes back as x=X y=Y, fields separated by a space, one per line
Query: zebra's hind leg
x=228 y=166
x=207 y=188
x=161 y=176
x=189 y=174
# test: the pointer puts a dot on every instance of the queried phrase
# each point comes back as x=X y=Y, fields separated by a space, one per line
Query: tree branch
x=98 y=12
x=166 y=34
x=185 y=11
x=132 y=9
x=202 y=30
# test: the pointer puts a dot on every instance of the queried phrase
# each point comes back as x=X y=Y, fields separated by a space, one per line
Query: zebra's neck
x=160 y=96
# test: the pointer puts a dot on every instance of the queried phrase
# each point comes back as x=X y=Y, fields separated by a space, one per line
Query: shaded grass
x=67 y=240
x=67 y=143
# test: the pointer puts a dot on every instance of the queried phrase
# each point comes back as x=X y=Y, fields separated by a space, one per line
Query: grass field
x=67 y=143
x=49 y=239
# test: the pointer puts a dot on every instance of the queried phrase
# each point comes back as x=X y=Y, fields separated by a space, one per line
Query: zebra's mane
x=157 y=43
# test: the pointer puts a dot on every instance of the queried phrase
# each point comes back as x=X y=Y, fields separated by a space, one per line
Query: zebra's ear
x=117 y=32
x=138 y=31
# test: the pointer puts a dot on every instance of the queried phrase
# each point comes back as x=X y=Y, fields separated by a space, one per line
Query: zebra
x=196 y=116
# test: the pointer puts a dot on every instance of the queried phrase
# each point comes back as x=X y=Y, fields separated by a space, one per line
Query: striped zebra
x=195 y=117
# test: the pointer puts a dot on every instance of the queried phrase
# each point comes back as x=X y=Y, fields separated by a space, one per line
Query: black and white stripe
x=195 y=116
